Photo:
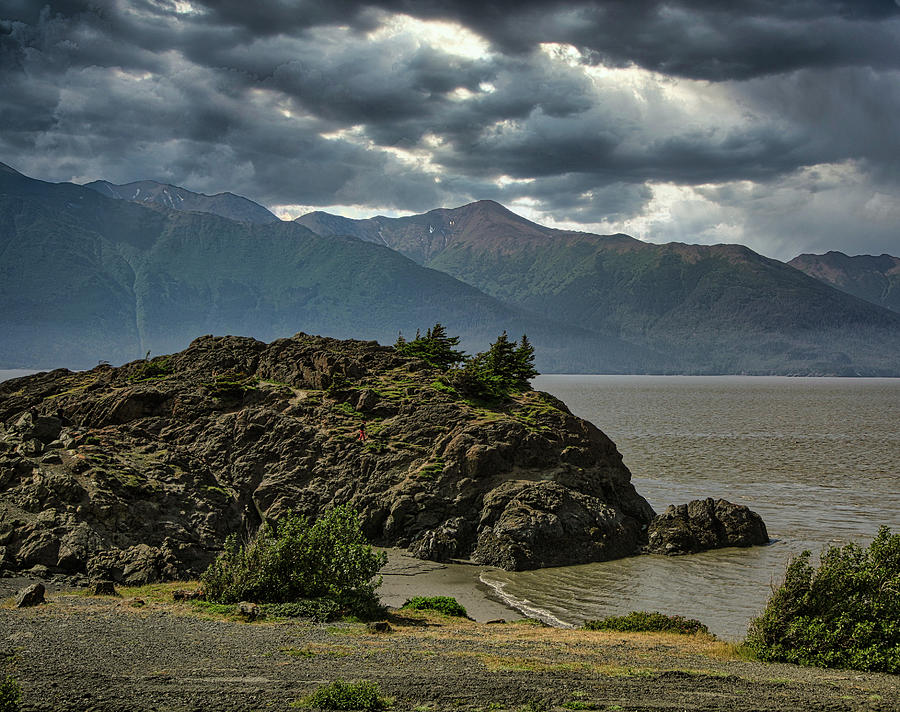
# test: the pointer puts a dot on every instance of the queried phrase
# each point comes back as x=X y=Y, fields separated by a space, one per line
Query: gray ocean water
x=817 y=458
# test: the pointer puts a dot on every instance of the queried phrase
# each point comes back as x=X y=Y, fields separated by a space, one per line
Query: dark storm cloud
x=707 y=39
x=579 y=198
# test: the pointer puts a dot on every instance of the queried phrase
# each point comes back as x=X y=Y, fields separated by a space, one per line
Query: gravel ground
x=90 y=653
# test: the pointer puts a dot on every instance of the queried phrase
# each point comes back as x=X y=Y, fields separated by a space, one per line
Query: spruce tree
x=525 y=369
x=500 y=363
x=435 y=348
x=443 y=353
x=506 y=367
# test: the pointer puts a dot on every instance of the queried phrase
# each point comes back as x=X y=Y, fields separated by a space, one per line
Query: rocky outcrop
x=705 y=524
x=138 y=473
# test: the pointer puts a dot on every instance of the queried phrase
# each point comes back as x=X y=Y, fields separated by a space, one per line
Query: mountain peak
x=487 y=208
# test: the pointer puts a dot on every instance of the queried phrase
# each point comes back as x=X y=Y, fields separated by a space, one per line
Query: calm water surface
x=817 y=458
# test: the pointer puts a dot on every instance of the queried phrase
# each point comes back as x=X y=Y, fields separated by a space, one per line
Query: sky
x=772 y=123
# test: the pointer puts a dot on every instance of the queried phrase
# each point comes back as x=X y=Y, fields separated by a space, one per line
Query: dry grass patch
x=569 y=639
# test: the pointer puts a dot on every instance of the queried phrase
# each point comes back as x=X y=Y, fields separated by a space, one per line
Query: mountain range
x=108 y=272
x=84 y=278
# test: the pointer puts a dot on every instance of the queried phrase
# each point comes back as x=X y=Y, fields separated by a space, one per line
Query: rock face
x=138 y=473
x=705 y=524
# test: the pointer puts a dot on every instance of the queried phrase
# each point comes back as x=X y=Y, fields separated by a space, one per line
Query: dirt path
x=84 y=653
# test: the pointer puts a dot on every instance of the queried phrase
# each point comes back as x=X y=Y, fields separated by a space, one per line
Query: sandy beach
x=405 y=576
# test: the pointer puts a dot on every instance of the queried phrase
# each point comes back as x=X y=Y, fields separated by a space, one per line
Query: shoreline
x=405 y=576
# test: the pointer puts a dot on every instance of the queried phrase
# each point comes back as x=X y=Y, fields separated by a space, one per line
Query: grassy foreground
x=143 y=651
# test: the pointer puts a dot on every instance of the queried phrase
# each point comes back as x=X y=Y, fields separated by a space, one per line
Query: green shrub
x=644 y=622
x=297 y=560
x=158 y=368
x=340 y=695
x=9 y=695
x=845 y=613
x=320 y=609
x=445 y=605
x=231 y=384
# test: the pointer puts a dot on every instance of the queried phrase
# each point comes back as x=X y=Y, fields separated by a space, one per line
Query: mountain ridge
x=90 y=277
x=875 y=278
x=227 y=205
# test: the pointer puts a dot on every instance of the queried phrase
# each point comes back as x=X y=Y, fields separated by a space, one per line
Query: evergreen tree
x=443 y=351
x=501 y=360
x=436 y=348
x=504 y=368
x=525 y=369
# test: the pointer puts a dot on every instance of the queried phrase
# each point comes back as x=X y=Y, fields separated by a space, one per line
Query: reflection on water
x=818 y=459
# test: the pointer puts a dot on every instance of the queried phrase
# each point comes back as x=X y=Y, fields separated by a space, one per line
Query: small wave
x=523 y=605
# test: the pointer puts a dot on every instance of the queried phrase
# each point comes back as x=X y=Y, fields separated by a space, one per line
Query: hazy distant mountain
x=84 y=277
x=709 y=309
x=148 y=192
x=875 y=279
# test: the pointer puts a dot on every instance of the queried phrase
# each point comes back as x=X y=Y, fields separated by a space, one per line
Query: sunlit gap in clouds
x=449 y=37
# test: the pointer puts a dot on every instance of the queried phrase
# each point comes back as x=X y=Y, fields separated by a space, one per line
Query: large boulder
x=705 y=524
x=29 y=596
x=532 y=525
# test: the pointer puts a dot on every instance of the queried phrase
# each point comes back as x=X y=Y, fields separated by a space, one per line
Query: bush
x=319 y=609
x=644 y=622
x=340 y=695
x=9 y=695
x=445 y=605
x=295 y=561
x=845 y=613
x=158 y=368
